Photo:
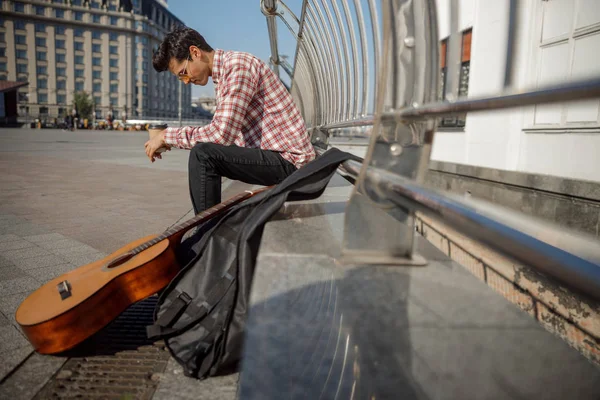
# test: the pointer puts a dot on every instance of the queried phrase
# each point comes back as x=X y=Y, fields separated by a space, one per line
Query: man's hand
x=155 y=146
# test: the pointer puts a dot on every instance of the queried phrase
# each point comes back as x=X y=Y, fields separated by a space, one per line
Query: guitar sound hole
x=119 y=260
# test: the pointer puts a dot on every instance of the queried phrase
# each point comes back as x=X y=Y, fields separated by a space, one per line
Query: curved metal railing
x=375 y=64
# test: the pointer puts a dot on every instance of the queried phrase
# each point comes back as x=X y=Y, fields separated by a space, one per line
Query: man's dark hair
x=176 y=44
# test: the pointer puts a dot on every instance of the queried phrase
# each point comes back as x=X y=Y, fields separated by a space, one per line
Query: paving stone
x=11 y=272
x=23 y=284
x=33 y=375
x=23 y=254
x=4 y=262
x=60 y=244
x=83 y=259
x=9 y=305
x=47 y=237
x=4 y=321
x=12 y=359
x=11 y=338
x=15 y=245
x=47 y=260
x=24 y=229
x=48 y=273
x=72 y=251
x=8 y=237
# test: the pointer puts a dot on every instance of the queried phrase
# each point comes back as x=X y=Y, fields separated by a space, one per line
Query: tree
x=84 y=105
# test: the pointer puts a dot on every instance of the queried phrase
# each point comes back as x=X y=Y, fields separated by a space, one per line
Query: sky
x=233 y=25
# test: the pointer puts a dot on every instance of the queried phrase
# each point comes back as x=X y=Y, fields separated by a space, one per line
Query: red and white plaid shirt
x=254 y=110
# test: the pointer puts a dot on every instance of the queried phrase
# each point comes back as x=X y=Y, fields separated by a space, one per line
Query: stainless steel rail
x=569 y=256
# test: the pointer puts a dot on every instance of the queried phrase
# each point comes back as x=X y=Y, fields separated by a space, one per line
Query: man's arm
x=239 y=87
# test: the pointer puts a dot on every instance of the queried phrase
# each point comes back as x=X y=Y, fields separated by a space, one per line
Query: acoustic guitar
x=67 y=310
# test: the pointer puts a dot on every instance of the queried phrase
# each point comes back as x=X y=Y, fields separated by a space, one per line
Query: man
x=256 y=136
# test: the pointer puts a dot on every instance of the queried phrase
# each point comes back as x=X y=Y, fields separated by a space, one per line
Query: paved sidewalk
x=67 y=199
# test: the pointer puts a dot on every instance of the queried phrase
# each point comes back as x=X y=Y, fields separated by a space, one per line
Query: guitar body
x=99 y=292
x=69 y=309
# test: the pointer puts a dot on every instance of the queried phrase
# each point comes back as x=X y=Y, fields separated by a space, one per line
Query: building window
x=61 y=99
x=114 y=20
x=566 y=50
x=20 y=39
x=78 y=32
x=95 y=5
x=78 y=46
x=457 y=121
x=97 y=74
x=61 y=71
x=62 y=84
x=96 y=18
x=40 y=42
x=22 y=68
x=114 y=101
x=97 y=87
x=79 y=86
x=79 y=73
x=78 y=15
x=114 y=62
x=96 y=35
x=61 y=57
x=98 y=102
x=97 y=61
x=43 y=98
x=114 y=76
x=22 y=54
x=96 y=48
x=60 y=44
x=40 y=55
x=78 y=59
x=114 y=36
x=112 y=7
x=76 y=2
x=39 y=10
x=42 y=70
x=2 y=66
x=2 y=51
x=59 y=13
x=114 y=50
x=114 y=88
x=42 y=84
x=20 y=24
x=40 y=27
x=19 y=7
x=59 y=30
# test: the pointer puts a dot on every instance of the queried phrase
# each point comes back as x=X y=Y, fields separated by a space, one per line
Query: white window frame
x=536 y=65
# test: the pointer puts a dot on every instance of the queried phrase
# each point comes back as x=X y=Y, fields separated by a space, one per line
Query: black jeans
x=210 y=161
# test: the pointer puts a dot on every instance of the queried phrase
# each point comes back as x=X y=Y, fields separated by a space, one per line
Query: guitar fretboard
x=203 y=216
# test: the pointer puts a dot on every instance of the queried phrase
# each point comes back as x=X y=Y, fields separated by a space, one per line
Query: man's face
x=195 y=69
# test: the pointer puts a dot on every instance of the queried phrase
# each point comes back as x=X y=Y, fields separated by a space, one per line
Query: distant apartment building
x=102 y=47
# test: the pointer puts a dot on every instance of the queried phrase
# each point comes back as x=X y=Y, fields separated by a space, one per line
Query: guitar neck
x=176 y=232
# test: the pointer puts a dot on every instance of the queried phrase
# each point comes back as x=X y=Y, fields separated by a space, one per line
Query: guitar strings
x=183 y=216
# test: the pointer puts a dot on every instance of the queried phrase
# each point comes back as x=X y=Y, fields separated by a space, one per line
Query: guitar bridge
x=64 y=289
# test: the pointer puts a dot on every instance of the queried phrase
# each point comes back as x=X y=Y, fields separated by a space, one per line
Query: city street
x=67 y=199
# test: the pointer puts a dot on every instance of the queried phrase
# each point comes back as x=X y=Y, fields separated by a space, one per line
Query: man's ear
x=195 y=52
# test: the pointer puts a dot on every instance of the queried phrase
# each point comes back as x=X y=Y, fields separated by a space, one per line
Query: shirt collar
x=217 y=66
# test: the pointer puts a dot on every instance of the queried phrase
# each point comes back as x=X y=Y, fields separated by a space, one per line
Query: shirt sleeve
x=238 y=87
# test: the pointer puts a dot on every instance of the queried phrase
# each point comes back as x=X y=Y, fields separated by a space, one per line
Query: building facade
x=102 y=47
x=557 y=40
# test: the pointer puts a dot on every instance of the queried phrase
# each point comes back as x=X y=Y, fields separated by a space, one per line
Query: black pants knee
x=209 y=162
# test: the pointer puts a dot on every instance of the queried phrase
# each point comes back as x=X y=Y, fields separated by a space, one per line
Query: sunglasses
x=183 y=74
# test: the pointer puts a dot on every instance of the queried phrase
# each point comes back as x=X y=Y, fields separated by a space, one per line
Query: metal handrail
x=569 y=256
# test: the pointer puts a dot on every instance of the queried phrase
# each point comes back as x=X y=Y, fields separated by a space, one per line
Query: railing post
x=377 y=231
x=269 y=9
